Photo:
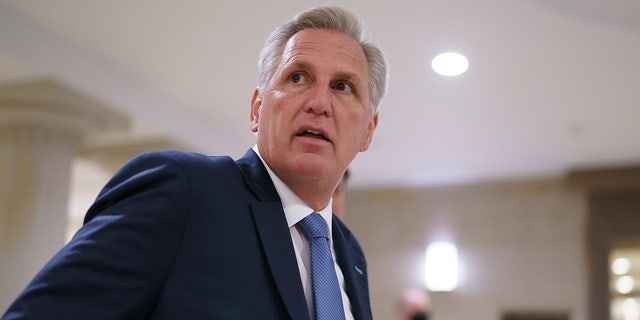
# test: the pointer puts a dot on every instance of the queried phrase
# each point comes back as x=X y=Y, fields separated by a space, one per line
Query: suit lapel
x=273 y=231
x=353 y=266
x=278 y=248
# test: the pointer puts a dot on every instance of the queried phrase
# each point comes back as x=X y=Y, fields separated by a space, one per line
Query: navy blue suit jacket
x=177 y=235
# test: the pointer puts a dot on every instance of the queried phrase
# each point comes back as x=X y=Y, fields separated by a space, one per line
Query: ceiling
x=553 y=85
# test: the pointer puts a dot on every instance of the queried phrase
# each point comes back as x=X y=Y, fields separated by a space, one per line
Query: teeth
x=318 y=134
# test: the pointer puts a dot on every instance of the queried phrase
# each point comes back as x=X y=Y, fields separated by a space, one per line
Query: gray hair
x=330 y=18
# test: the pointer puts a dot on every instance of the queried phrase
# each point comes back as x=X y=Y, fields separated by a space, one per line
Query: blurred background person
x=414 y=304
x=340 y=196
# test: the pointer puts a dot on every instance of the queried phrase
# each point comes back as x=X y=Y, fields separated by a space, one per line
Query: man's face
x=315 y=115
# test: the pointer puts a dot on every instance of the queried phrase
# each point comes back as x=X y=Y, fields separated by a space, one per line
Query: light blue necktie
x=327 y=299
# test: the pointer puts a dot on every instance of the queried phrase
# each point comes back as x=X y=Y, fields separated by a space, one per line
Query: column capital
x=49 y=105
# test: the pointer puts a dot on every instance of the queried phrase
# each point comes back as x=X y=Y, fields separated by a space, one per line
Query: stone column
x=97 y=161
x=42 y=124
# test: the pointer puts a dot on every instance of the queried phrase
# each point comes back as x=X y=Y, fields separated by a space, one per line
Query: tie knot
x=314 y=226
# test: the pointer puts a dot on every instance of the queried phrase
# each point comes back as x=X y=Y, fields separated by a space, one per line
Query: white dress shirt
x=295 y=209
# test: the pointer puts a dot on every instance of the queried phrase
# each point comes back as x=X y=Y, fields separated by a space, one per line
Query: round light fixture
x=450 y=64
x=625 y=284
x=621 y=266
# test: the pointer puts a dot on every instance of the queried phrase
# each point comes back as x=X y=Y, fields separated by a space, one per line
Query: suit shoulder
x=169 y=164
x=178 y=160
x=179 y=156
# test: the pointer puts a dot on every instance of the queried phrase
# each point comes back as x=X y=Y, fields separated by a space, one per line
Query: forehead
x=328 y=49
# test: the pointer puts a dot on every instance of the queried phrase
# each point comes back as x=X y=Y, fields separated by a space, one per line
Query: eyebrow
x=346 y=75
x=349 y=76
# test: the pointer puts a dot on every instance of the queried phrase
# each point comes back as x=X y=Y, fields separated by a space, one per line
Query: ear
x=373 y=123
x=256 y=102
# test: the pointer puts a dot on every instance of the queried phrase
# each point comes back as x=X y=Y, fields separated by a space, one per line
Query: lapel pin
x=358 y=270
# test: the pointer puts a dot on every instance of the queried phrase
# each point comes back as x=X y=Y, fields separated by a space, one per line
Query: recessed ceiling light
x=450 y=64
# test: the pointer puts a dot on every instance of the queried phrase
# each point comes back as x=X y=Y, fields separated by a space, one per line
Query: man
x=186 y=236
x=339 y=199
x=414 y=304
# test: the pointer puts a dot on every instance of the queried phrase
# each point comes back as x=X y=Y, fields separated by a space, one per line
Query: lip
x=311 y=131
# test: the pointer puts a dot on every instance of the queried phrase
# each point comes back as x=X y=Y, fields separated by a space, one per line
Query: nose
x=319 y=101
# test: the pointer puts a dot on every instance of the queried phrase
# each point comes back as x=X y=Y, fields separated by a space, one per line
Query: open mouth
x=312 y=134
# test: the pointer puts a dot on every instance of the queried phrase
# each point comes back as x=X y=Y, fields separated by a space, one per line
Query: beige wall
x=521 y=246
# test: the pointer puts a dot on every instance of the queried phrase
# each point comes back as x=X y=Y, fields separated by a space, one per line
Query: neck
x=315 y=194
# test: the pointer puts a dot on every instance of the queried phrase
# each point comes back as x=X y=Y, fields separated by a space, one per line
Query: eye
x=297 y=78
x=343 y=86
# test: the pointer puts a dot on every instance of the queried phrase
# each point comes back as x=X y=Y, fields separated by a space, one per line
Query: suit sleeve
x=114 y=266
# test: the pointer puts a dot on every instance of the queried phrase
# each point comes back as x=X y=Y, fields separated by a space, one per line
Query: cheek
x=367 y=126
x=269 y=122
x=354 y=132
x=364 y=125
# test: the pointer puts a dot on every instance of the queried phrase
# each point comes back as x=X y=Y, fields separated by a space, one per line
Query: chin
x=311 y=165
